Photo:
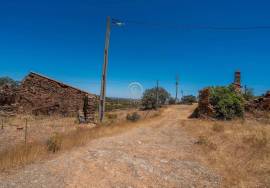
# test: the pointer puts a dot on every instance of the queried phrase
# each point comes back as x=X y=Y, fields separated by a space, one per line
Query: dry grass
x=20 y=155
x=237 y=150
x=38 y=129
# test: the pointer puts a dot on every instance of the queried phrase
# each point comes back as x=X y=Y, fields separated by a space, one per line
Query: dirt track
x=157 y=153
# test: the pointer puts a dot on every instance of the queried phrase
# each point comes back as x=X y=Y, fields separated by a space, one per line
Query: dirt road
x=157 y=153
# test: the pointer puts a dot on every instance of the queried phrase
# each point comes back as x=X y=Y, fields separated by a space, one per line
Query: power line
x=190 y=27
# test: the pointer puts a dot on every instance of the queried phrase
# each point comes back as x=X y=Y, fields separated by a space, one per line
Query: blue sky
x=65 y=40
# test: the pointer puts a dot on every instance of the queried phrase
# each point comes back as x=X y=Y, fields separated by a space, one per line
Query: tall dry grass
x=238 y=150
x=21 y=155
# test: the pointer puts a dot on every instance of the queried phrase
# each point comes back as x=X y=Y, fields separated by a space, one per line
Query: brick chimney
x=237 y=80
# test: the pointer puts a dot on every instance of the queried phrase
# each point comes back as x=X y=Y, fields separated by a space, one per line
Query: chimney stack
x=237 y=80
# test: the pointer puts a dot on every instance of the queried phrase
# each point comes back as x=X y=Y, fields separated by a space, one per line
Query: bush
x=149 y=99
x=133 y=117
x=188 y=99
x=226 y=102
x=54 y=143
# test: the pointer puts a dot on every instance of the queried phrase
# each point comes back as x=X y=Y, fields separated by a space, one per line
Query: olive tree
x=9 y=81
x=149 y=99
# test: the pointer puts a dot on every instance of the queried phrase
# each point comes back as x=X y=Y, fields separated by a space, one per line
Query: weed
x=133 y=117
x=54 y=142
x=202 y=140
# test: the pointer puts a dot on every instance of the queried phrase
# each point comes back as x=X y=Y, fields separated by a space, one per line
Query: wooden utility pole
x=157 y=95
x=176 y=88
x=104 y=71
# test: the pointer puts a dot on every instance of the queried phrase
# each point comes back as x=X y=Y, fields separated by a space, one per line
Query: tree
x=188 y=99
x=9 y=81
x=149 y=99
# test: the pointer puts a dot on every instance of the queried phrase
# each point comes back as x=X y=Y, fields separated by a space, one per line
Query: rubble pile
x=262 y=103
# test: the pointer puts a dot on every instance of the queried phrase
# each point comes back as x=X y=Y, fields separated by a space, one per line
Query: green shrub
x=54 y=143
x=133 y=117
x=226 y=102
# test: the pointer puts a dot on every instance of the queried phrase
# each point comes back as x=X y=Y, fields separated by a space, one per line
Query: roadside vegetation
x=238 y=150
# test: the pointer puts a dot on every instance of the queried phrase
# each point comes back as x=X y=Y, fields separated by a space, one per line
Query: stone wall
x=8 y=105
x=204 y=109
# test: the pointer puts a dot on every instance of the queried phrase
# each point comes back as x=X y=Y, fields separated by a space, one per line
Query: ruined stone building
x=40 y=95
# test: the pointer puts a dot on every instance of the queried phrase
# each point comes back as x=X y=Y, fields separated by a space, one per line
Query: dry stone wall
x=204 y=109
x=8 y=105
